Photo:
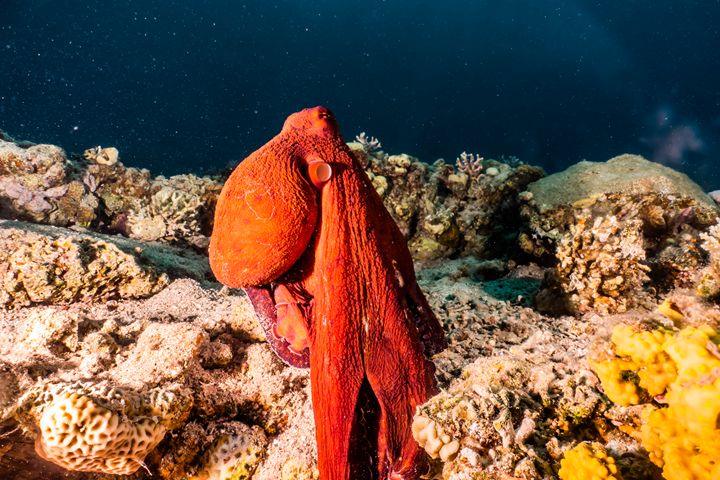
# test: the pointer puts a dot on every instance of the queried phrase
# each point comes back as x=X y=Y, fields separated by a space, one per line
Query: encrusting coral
x=681 y=370
x=42 y=265
x=36 y=183
x=496 y=419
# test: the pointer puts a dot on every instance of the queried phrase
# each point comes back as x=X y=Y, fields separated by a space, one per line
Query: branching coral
x=470 y=164
x=369 y=144
x=684 y=367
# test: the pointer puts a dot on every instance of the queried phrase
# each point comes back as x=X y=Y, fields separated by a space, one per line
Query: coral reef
x=498 y=417
x=133 y=337
x=658 y=213
x=41 y=184
x=444 y=212
x=179 y=211
x=36 y=184
x=517 y=392
x=179 y=361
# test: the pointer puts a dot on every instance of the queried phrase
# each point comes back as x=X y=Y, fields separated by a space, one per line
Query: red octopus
x=299 y=226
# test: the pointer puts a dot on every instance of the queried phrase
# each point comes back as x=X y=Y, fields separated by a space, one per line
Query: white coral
x=430 y=436
x=102 y=156
x=470 y=164
x=98 y=428
x=80 y=435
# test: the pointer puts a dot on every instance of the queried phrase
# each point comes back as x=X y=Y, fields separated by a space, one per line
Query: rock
x=715 y=195
x=49 y=265
x=631 y=175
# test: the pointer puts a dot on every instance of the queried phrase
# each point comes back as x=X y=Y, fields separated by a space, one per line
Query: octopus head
x=312 y=120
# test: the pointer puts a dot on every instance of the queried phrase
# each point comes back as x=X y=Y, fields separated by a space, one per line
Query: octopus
x=300 y=227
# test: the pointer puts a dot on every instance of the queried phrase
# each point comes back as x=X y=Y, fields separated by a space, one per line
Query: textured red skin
x=370 y=325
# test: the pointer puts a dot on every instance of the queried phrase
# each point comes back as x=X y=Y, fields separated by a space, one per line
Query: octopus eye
x=324 y=115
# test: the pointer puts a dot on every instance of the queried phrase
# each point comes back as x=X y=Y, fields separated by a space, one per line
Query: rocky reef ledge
x=581 y=311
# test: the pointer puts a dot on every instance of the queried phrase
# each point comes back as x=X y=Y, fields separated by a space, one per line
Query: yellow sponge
x=619 y=380
x=684 y=437
x=588 y=461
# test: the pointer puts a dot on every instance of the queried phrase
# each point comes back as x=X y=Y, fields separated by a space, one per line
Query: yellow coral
x=588 y=461
x=684 y=437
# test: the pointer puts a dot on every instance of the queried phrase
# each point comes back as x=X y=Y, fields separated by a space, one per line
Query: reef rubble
x=120 y=354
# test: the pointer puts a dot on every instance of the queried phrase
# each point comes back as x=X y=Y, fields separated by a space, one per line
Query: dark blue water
x=192 y=85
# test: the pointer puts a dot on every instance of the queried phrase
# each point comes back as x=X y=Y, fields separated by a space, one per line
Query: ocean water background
x=196 y=85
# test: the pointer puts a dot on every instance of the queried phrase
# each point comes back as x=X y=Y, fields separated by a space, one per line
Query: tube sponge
x=588 y=461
